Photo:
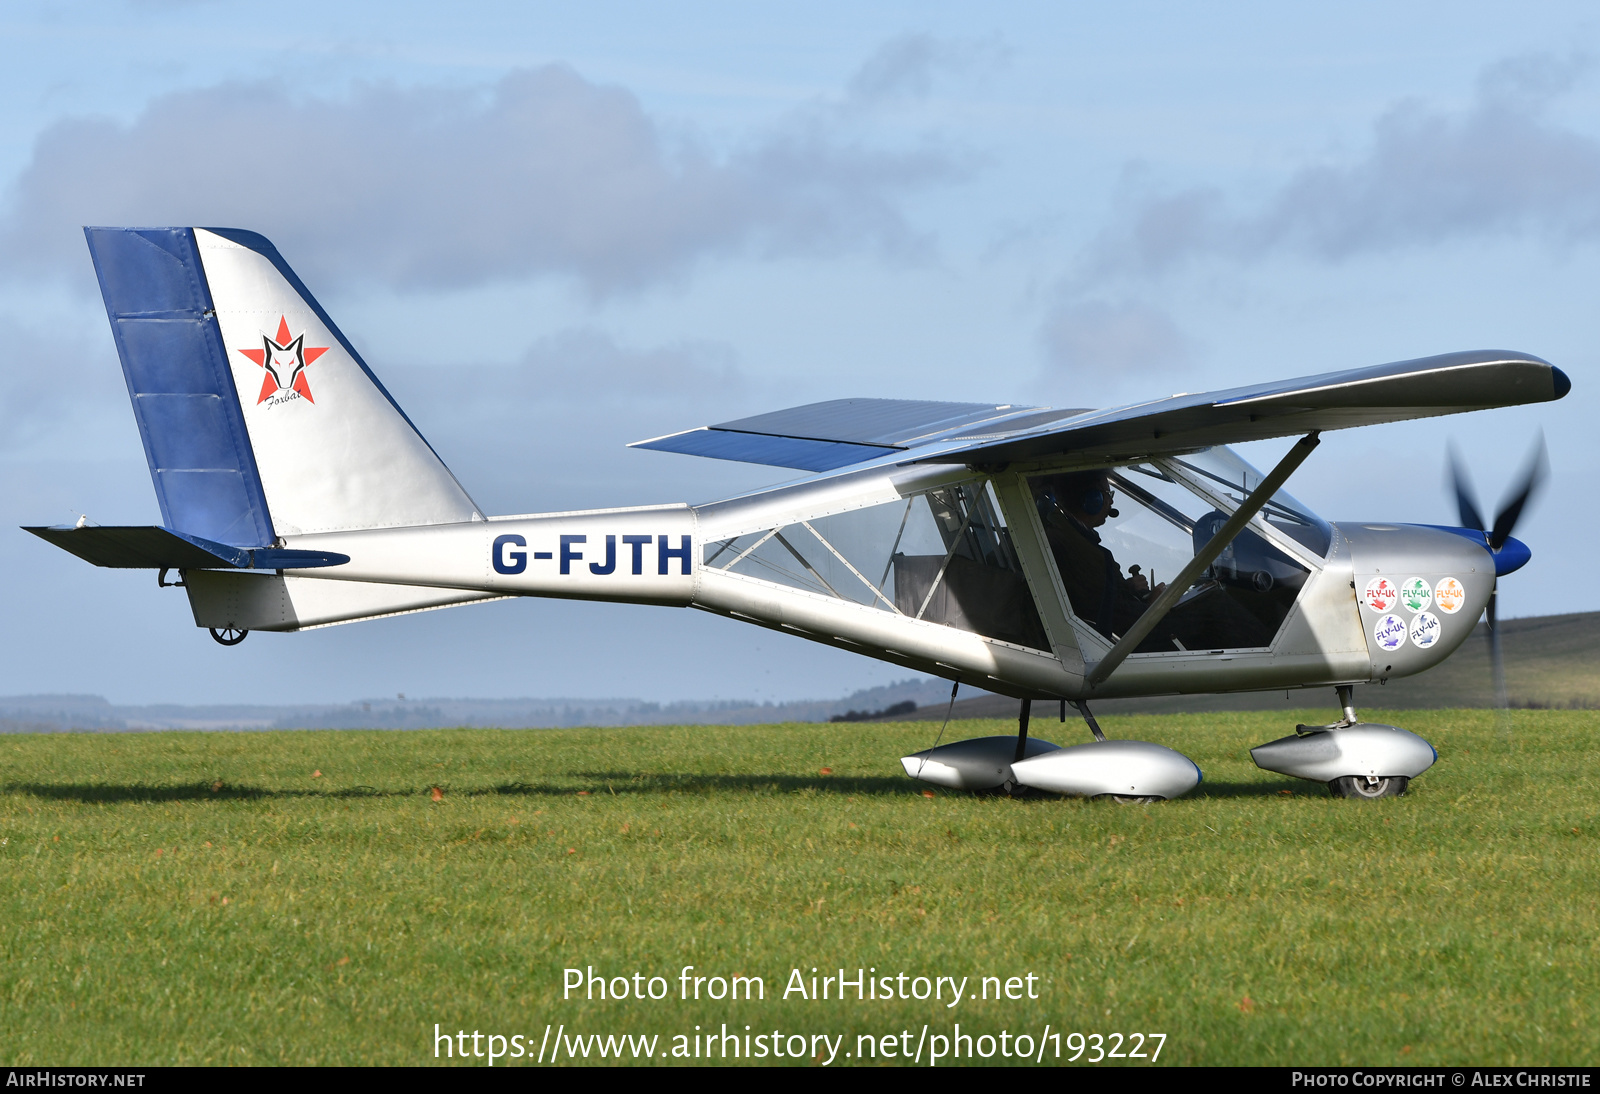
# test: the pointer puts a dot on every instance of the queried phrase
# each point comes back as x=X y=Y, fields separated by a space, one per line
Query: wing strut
x=1203 y=558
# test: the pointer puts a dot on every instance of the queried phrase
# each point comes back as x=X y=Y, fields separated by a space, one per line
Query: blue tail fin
x=182 y=388
x=204 y=316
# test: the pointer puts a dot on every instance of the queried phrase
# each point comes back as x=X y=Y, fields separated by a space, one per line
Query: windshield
x=1226 y=471
x=1119 y=535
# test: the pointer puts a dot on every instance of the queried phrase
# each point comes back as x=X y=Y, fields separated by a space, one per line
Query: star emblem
x=285 y=360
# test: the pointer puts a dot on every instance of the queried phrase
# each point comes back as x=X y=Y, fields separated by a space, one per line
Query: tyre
x=1368 y=787
x=1127 y=799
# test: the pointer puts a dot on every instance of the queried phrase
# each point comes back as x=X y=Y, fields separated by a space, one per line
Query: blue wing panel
x=797 y=452
x=870 y=421
x=837 y=433
x=182 y=389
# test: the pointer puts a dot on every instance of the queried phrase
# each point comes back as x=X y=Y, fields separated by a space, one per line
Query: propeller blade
x=1466 y=507
x=1532 y=479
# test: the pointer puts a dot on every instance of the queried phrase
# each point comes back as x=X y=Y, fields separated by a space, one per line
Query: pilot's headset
x=1088 y=498
x=1094 y=500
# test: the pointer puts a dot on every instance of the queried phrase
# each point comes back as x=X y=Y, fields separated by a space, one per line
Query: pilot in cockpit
x=1072 y=507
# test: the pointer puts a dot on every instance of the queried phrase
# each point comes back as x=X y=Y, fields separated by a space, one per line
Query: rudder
x=259 y=417
x=182 y=389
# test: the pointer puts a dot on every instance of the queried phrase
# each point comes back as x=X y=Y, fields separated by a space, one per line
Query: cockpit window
x=1113 y=561
x=975 y=583
x=941 y=556
x=1230 y=474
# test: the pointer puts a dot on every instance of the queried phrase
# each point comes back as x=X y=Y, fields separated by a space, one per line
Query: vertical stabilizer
x=334 y=450
x=259 y=419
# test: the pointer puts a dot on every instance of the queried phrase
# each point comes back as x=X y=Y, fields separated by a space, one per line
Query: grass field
x=212 y=898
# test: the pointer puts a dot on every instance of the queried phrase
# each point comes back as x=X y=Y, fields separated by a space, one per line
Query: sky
x=554 y=229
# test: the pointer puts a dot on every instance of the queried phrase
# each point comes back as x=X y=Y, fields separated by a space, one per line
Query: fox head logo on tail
x=285 y=360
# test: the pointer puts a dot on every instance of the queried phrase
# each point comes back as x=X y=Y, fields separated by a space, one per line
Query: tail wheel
x=228 y=636
x=1368 y=787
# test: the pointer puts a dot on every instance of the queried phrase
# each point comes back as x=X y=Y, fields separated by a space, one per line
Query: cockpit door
x=1105 y=541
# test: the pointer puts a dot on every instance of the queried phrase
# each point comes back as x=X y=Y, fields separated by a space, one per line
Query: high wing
x=841 y=432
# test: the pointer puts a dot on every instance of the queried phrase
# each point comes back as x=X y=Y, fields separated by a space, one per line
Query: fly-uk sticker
x=1449 y=595
x=1390 y=633
x=1416 y=594
x=1425 y=630
x=1381 y=594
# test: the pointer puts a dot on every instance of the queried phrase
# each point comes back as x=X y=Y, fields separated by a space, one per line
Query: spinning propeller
x=1509 y=554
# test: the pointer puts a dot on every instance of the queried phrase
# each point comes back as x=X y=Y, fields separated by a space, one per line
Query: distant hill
x=1552 y=661
x=48 y=713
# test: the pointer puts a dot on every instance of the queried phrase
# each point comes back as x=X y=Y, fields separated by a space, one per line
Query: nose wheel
x=1325 y=753
x=1368 y=787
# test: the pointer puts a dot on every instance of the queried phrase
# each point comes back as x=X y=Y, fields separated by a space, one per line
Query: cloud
x=1428 y=176
x=908 y=64
x=550 y=430
x=580 y=365
x=1107 y=340
x=56 y=378
x=544 y=172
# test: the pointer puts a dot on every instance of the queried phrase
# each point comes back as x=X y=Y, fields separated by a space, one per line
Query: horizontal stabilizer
x=164 y=549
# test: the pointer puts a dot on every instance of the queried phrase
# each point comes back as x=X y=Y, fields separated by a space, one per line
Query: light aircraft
x=976 y=542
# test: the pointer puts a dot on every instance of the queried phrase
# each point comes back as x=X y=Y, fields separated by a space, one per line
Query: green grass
x=149 y=915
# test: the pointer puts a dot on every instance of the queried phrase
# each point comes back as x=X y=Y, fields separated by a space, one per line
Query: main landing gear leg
x=1094 y=726
x=1011 y=787
x=1022 y=730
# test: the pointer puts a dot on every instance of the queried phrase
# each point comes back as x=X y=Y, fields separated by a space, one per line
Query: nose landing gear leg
x=1345 y=695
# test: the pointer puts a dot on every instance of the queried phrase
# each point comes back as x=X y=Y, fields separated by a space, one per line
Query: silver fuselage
x=678 y=555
